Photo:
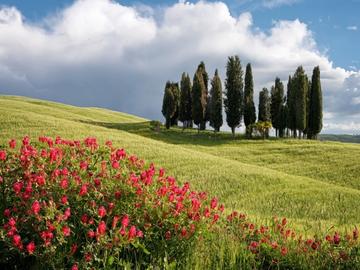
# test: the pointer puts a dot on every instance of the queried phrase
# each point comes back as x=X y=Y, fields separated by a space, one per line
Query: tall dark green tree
x=301 y=92
x=233 y=93
x=176 y=93
x=290 y=104
x=277 y=100
x=185 y=114
x=202 y=69
x=249 y=106
x=168 y=106
x=315 y=105
x=199 y=99
x=264 y=114
x=216 y=118
x=264 y=106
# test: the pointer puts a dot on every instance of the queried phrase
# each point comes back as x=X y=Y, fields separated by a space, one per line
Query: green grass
x=314 y=184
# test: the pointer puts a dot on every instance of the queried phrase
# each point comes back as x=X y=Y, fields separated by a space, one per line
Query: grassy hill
x=314 y=184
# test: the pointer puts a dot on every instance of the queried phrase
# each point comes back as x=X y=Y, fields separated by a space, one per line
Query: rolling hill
x=315 y=184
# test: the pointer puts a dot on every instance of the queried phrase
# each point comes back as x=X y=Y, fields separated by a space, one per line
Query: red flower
x=284 y=221
x=183 y=232
x=66 y=230
x=2 y=155
x=35 y=207
x=115 y=164
x=64 y=183
x=64 y=199
x=132 y=232
x=355 y=233
x=140 y=234
x=83 y=190
x=274 y=245
x=17 y=240
x=284 y=251
x=213 y=203
x=91 y=234
x=336 y=238
x=31 y=247
x=74 y=248
x=88 y=257
x=102 y=211
x=12 y=143
x=115 y=221
x=101 y=229
x=125 y=221
x=168 y=235
x=75 y=267
x=67 y=213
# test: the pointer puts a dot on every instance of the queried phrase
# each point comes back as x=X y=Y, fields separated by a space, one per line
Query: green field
x=315 y=184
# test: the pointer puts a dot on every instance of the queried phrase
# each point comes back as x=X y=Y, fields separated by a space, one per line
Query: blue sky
x=119 y=55
x=333 y=22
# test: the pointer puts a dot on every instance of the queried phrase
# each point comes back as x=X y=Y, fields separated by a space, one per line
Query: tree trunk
x=233 y=131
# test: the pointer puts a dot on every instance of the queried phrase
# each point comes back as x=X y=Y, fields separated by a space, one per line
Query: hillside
x=315 y=184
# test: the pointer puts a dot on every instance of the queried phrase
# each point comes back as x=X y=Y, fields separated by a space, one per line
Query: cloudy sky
x=119 y=54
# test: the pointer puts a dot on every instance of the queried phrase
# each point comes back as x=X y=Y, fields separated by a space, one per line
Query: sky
x=119 y=54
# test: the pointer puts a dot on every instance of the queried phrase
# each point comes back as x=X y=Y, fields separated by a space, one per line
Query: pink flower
x=35 y=207
x=66 y=230
x=91 y=234
x=102 y=211
x=17 y=240
x=140 y=234
x=67 y=213
x=84 y=218
x=31 y=247
x=75 y=267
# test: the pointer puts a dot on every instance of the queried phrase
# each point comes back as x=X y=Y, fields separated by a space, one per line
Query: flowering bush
x=79 y=205
x=72 y=204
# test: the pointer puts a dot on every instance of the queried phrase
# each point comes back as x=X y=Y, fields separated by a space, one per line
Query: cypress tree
x=176 y=93
x=315 y=105
x=233 y=93
x=277 y=100
x=185 y=114
x=202 y=69
x=264 y=106
x=216 y=119
x=249 y=107
x=168 y=106
x=301 y=85
x=290 y=104
x=198 y=99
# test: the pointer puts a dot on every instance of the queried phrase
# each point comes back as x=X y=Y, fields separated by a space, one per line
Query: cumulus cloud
x=102 y=53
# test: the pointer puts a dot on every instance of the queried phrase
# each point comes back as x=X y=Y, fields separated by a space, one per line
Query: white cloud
x=276 y=3
x=352 y=27
x=101 y=53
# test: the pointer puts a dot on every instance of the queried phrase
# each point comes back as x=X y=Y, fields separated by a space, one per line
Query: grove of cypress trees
x=315 y=105
x=249 y=107
x=199 y=99
x=168 y=106
x=202 y=69
x=176 y=93
x=277 y=100
x=216 y=119
x=185 y=114
x=233 y=93
x=301 y=89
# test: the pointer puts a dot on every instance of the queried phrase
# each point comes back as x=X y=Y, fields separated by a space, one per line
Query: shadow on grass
x=174 y=135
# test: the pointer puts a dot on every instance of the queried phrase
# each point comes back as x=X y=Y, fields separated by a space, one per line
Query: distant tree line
x=298 y=113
